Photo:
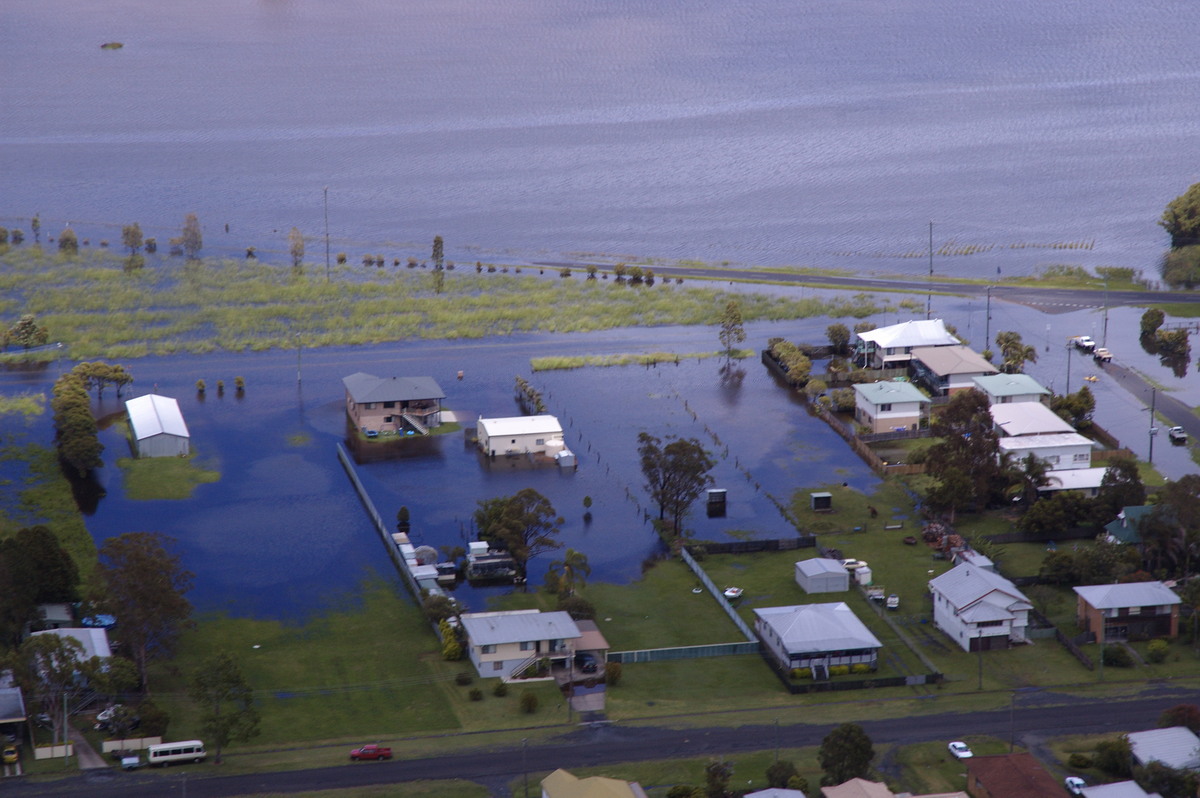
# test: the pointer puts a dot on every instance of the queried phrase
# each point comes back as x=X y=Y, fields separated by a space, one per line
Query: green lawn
x=156 y=478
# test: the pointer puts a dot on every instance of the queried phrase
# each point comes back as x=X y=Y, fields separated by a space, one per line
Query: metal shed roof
x=152 y=415
x=518 y=626
x=818 y=627
x=1010 y=385
x=520 y=425
x=921 y=332
x=1132 y=594
x=1028 y=418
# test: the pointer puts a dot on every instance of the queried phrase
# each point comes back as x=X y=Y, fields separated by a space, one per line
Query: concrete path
x=85 y=755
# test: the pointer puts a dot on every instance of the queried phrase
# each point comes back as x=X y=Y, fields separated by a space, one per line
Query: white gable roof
x=1054 y=441
x=1028 y=418
x=1075 y=479
x=152 y=415
x=818 y=627
x=1176 y=747
x=923 y=332
x=816 y=566
x=518 y=626
x=520 y=425
x=1119 y=789
x=966 y=585
x=1133 y=594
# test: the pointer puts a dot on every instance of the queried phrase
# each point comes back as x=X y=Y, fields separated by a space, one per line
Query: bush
x=612 y=673
x=579 y=608
x=839 y=670
x=801 y=673
x=1156 y=652
x=860 y=667
x=462 y=678
x=154 y=721
x=68 y=242
x=1117 y=657
x=475 y=694
x=3 y=235
x=1079 y=761
x=529 y=702
x=452 y=650
x=780 y=773
x=1114 y=757
x=500 y=690
x=17 y=236
x=683 y=791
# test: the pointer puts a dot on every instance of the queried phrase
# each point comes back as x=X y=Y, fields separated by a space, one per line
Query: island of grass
x=159 y=478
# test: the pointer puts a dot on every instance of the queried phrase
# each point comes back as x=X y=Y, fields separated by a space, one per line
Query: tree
x=1114 y=757
x=845 y=754
x=191 y=240
x=78 y=445
x=1181 y=267
x=1121 y=487
x=26 y=332
x=227 y=711
x=1014 y=352
x=131 y=238
x=439 y=251
x=143 y=585
x=717 y=774
x=569 y=573
x=1181 y=218
x=35 y=224
x=47 y=564
x=1075 y=408
x=1181 y=715
x=781 y=772
x=1159 y=779
x=967 y=452
x=296 y=247
x=1152 y=319
x=52 y=669
x=733 y=331
x=1028 y=478
x=676 y=473
x=839 y=338
x=524 y=524
x=68 y=242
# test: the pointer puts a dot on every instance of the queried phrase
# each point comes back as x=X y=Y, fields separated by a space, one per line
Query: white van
x=185 y=751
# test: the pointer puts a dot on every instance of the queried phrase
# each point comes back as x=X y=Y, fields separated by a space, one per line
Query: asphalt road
x=1035 y=716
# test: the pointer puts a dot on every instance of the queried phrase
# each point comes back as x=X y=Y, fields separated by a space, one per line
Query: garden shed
x=158 y=426
x=821 y=575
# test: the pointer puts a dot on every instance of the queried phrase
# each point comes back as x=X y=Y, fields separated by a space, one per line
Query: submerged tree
x=296 y=246
x=676 y=473
x=524 y=524
x=26 y=332
x=733 y=331
x=191 y=240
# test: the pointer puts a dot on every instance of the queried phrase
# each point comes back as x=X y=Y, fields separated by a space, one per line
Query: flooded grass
x=29 y=405
x=164 y=478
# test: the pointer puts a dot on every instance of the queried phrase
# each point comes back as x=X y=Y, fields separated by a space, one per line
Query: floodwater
x=766 y=132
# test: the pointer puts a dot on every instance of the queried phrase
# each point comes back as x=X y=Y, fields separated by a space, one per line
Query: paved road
x=1035 y=716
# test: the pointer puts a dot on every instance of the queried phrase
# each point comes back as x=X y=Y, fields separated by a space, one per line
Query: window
x=387 y=419
x=1135 y=610
x=497 y=665
x=1082 y=458
x=487 y=649
x=388 y=405
x=526 y=645
x=1052 y=459
x=540 y=442
x=369 y=406
x=885 y=408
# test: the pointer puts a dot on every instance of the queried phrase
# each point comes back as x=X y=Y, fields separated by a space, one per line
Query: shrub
x=579 y=608
x=529 y=702
x=154 y=721
x=341 y=258
x=798 y=783
x=463 y=678
x=780 y=773
x=17 y=235
x=1156 y=652
x=839 y=670
x=1079 y=761
x=1117 y=657
x=612 y=673
x=801 y=673
x=151 y=245
x=860 y=667
x=475 y=694
x=68 y=242
x=683 y=791
x=452 y=650
x=3 y=235
x=500 y=690
x=1114 y=757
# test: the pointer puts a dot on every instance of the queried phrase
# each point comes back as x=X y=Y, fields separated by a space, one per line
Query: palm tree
x=570 y=572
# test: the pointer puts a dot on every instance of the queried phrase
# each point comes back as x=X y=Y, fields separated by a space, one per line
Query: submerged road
x=1035 y=715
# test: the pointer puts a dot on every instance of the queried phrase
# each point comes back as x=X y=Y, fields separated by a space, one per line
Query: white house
x=1003 y=389
x=1064 y=450
x=1027 y=418
x=520 y=435
x=887 y=406
x=946 y=370
x=1176 y=747
x=158 y=427
x=1085 y=481
x=94 y=641
x=822 y=575
x=501 y=643
x=892 y=346
x=816 y=636
x=979 y=608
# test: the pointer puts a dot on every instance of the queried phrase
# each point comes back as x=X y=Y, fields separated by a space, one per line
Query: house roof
x=921 y=332
x=520 y=425
x=152 y=415
x=812 y=628
x=890 y=392
x=776 y=792
x=1176 y=747
x=966 y=585
x=1119 y=789
x=1132 y=594
x=94 y=641
x=1054 y=441
x=1012 y=776
x=518 y=626
x=12 y=705
x=590 y=637
x=945 y=360
x=562 y=784
x=1010 y=385
x=365 y=387
x=816 y=566
x=858 y=788
x=1075 y=479
x=1027 y=418
x=1124 y=527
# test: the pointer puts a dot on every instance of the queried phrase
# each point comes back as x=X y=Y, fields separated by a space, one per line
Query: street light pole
x=987 y=324
x=1153 y=429
x=297 y=358
x=326 y=233
x=929 y=295
x=1104 y=337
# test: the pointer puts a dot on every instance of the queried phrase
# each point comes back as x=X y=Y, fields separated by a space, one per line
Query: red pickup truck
x=371 y=752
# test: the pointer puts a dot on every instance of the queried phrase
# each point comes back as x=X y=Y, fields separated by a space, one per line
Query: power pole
x=1153 y=429
x=929 y=295
x=326 y=233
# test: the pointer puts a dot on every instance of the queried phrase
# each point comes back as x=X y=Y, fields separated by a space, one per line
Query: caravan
x=166 y=753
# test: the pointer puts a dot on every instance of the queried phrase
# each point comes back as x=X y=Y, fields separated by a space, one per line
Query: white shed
x=821 y=575
x=158 y=428
x=520 y=435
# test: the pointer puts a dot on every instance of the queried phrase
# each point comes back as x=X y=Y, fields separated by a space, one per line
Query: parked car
x=960 y=750
x=1102 y=355
x=131 y=762
x=1084 y=343
x=371 y=751
x=11 y=755
x=1177 y=435
x=1074 y=785
x=853 y=564
x=893 y=602
x=587 y=662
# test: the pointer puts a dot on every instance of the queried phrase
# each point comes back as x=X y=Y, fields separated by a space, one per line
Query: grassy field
x=28 y=405
x=155 y=478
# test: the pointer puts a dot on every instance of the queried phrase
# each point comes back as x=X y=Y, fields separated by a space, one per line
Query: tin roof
x=152 y=415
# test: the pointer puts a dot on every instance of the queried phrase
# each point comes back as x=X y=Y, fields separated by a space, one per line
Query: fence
x=895 y=435
x=718 y=595
x=750 y=546
x=684 y=652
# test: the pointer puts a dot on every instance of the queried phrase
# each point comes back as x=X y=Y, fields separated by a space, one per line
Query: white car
x=1085 y=343
x=1177 y=435
x=960 y=750
x=853 y=564
x=1074 y=785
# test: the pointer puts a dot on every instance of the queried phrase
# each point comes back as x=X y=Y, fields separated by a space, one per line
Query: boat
x=733 y=592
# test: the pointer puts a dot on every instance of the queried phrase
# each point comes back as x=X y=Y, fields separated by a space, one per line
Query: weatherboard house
x=158 y=426
x=816 y=636
x=978 y=608
x=393 y=404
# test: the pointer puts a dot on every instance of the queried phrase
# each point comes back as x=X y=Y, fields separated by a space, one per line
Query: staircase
x=417 y=425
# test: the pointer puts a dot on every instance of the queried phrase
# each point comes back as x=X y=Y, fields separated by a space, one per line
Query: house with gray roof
x=1027 y=418
x=504 y=643
x=391 y=405
x=892 y=346
x=1118 y=789
x=158 y=426
x=888 y=406
x=1128 y=611
x=1003 y=389
x=1176 y=747
x=978 y=608
x=822 y=575
x=817 y=636
x=947 y=370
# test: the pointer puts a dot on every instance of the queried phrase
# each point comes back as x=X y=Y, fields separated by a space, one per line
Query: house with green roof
x=1003 y=389
x=889 y=406
x=1124 y=528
